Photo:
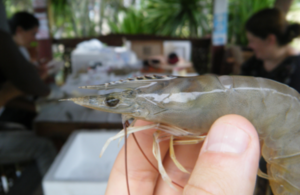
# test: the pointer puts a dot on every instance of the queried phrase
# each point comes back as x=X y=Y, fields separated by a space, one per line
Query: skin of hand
x=7 y=92
x=43 y=71
x=226 y=163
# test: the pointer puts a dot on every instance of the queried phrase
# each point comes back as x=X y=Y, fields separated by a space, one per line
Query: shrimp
x=186 y=107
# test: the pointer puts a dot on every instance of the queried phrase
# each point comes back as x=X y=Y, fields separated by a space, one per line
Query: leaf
x=168 y=17
x=113 y=27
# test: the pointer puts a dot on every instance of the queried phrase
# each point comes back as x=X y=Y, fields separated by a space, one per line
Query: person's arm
x=8 y=92
x=18 y=70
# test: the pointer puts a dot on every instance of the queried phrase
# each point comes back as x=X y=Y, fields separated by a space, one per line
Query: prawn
x=186 y=107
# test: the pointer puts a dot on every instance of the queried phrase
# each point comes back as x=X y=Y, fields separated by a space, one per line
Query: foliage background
x=181 y=18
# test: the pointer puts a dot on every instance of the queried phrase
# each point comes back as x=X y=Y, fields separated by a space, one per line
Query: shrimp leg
x=122 y=134
x=189 y=141
x=130 y=130
x=157 y=155
x=285 y=156
x=173 y=157
x=182 y=142
x=262 y=174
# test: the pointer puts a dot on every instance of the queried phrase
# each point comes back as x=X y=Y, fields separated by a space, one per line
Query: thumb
x=228 y=161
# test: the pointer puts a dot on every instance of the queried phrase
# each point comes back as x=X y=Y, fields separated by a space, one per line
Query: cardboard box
x=145 y=49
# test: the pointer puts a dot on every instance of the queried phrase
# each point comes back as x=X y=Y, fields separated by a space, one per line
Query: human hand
x=218 y=169
x=54 y=66
x=43 y=68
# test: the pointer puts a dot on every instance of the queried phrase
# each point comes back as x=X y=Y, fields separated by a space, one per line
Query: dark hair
x=272 y=21
x=23 y=19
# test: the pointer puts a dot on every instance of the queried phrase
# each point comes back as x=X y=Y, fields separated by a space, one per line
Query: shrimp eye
x=111 y=101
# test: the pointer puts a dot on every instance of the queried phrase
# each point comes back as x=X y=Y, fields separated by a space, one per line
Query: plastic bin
x=77 y=169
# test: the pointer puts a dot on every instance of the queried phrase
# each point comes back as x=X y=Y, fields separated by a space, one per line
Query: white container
x=77 y=169
x=80 y=60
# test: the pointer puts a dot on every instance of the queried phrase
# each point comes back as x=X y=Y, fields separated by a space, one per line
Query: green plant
x=188 y=18
x=61 y=18
x=77 y=18
x=239 y=12
x=13 y=6
x=295 y=5
x=133 y=22
x=184 y=18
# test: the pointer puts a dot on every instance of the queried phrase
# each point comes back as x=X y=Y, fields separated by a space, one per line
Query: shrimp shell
x=188 y=106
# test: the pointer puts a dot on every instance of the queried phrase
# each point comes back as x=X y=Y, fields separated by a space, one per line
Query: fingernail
x=227 y=138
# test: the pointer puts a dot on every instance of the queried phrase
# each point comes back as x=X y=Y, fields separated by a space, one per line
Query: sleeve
x=15 y=68
x=251 y=67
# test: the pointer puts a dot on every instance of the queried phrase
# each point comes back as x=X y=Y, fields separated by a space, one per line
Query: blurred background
x=70 y=22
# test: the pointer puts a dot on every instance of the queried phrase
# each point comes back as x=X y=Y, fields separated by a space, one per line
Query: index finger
x=141 y=175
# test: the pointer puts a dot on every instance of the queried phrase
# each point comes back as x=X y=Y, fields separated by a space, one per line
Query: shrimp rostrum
x=186 y=107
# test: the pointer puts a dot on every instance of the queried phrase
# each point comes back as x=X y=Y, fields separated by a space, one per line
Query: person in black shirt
x=23 y=29
x=20 y=77
x=269 y=35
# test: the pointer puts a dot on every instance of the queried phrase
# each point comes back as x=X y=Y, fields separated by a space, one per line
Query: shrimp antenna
x=126 y=124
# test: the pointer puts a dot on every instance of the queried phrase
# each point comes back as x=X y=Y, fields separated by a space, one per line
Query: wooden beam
x=283 y=5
